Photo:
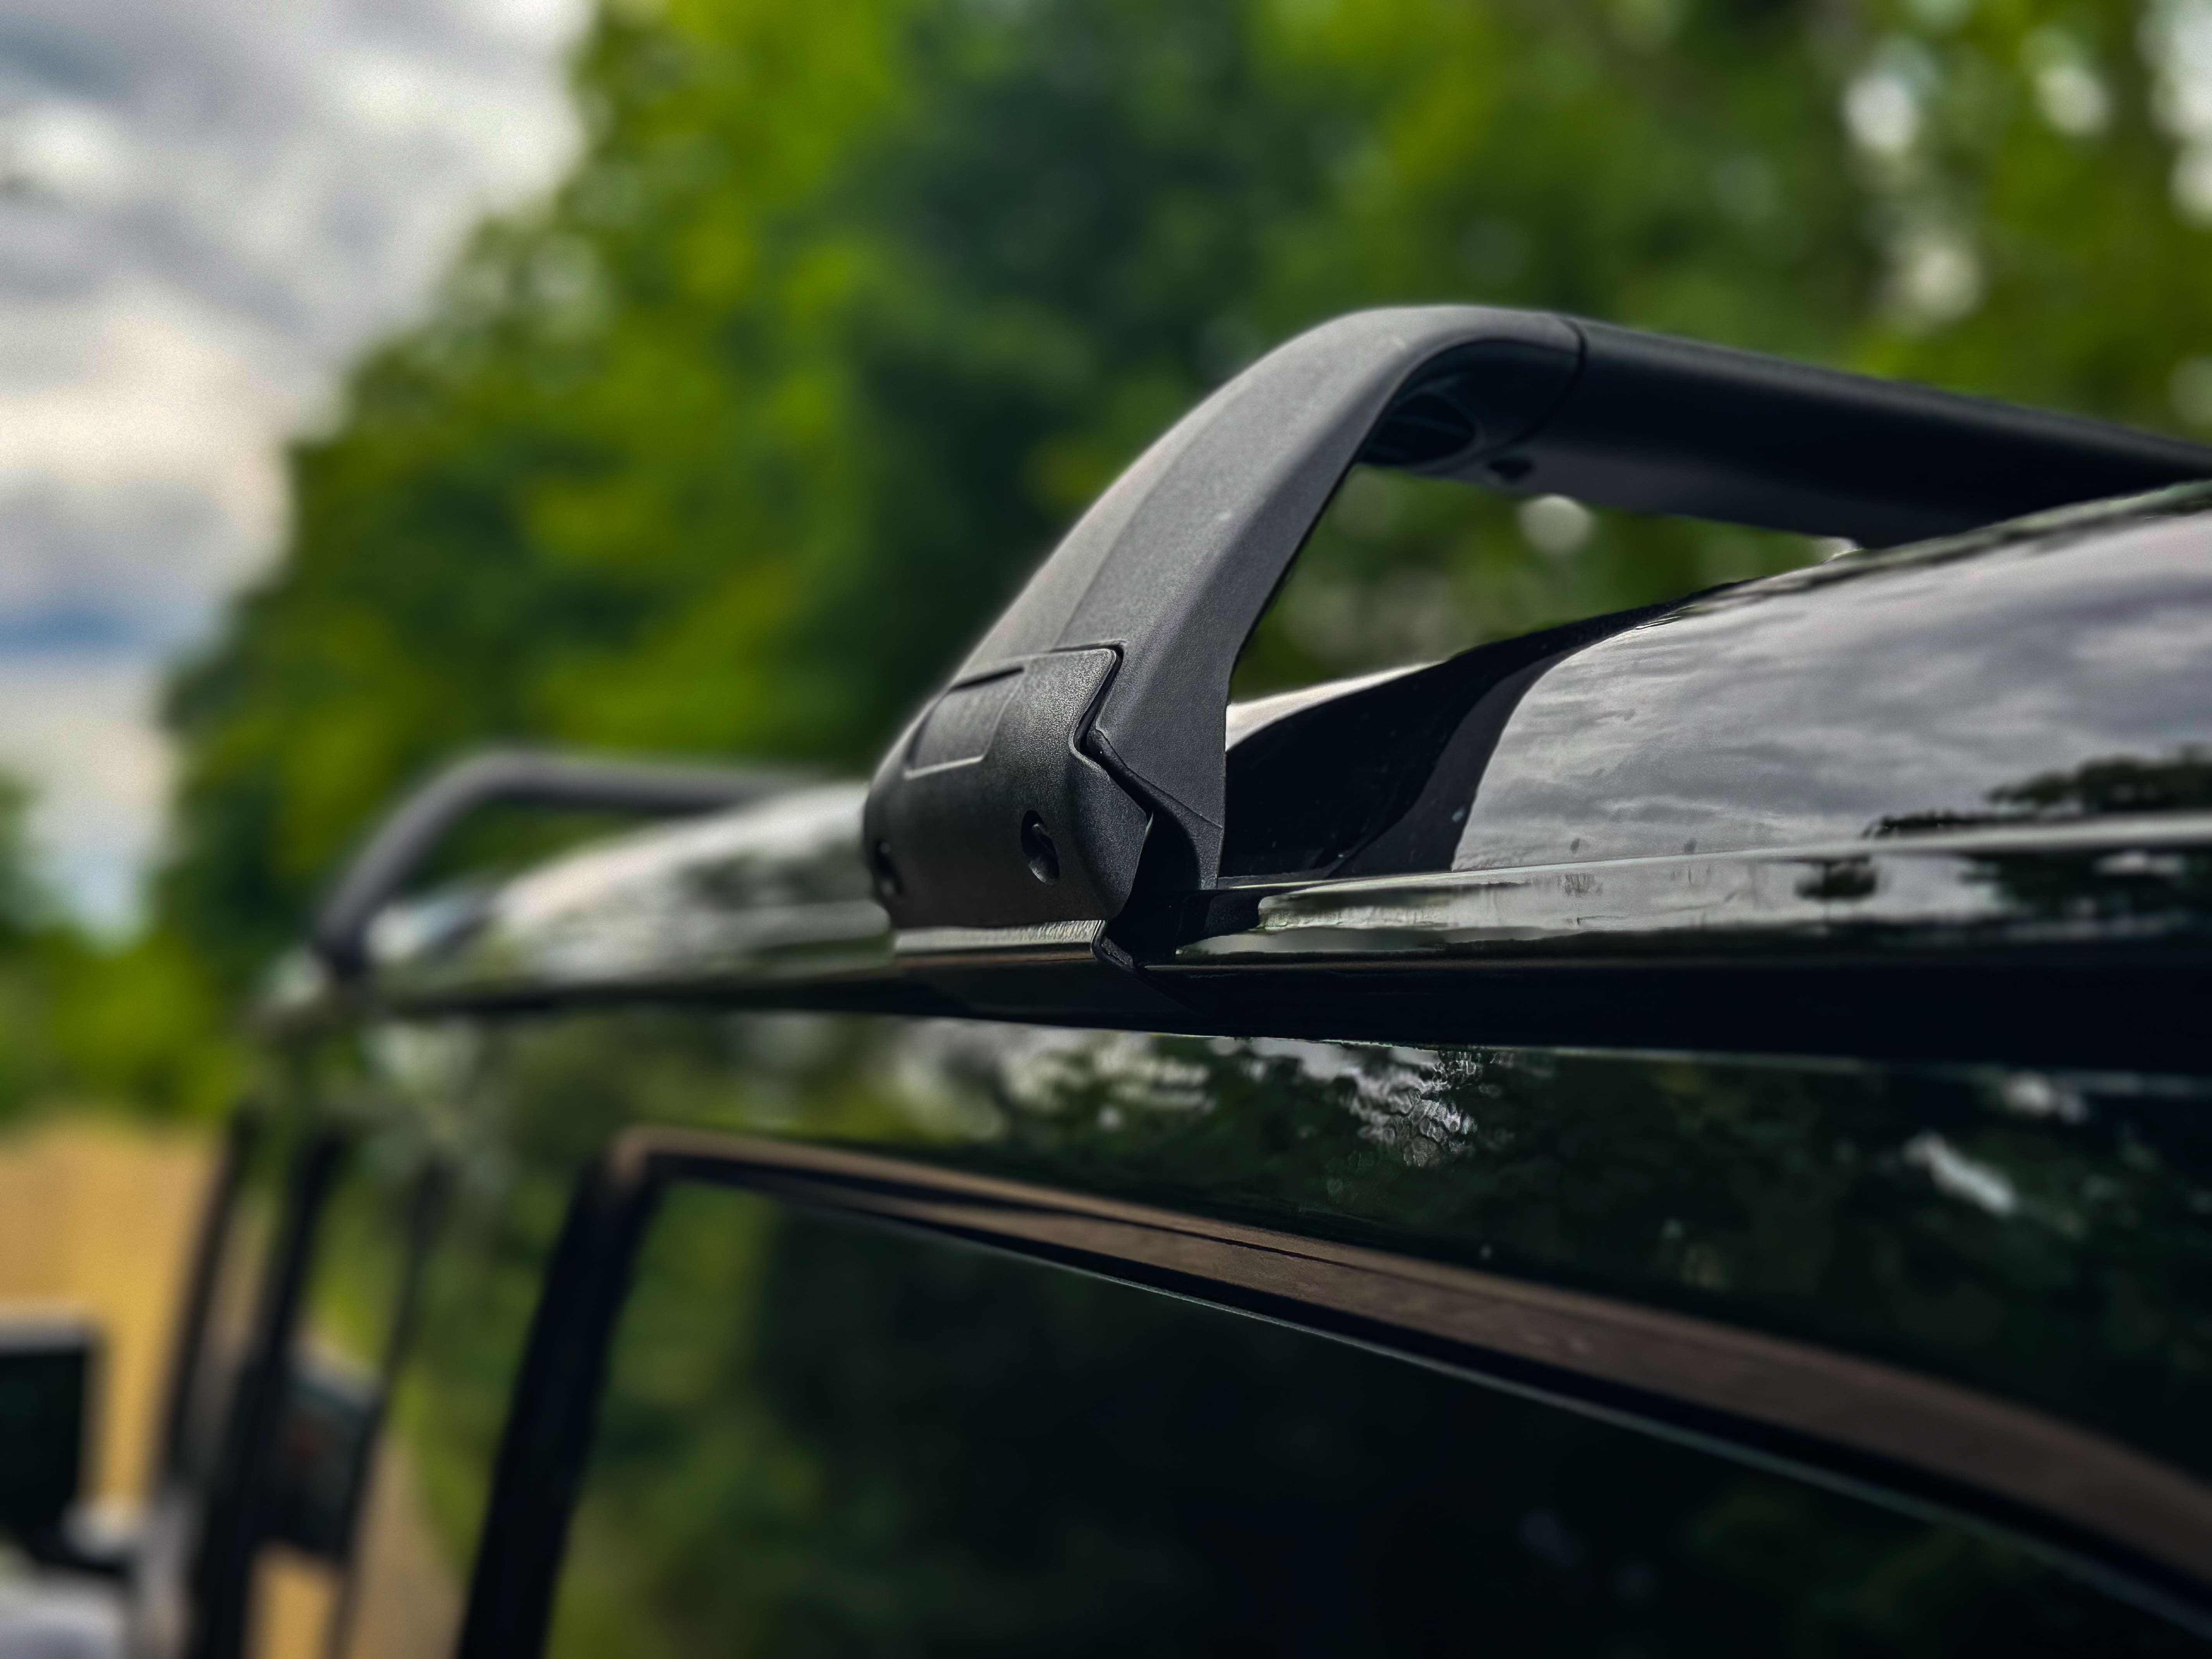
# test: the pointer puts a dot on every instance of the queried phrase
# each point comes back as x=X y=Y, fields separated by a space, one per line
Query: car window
x=344 y=1565
x=241 y=1214
x=189 y=1524
x=824 y=1438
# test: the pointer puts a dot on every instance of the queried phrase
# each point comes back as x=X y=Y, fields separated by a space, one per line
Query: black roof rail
x=1086 y=733
x=411 y=831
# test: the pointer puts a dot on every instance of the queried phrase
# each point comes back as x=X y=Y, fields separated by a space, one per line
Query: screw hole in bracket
x=1036 y=847
x=886 y=873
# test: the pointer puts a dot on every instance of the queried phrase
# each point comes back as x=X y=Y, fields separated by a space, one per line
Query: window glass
x=220 y=1311
x=821 y=1438
x=346 y=1550
x=404 y=1599
x=240 y=1217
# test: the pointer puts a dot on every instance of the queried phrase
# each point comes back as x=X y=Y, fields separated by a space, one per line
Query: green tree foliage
x=23 y=1050
x=22 y=900
x=734 y=444
x=130 y=1022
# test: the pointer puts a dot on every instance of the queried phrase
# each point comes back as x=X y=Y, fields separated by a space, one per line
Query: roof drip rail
x=402 y=843
x=1084 y=735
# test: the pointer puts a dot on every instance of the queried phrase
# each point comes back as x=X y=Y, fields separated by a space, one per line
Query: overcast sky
x=207 y=207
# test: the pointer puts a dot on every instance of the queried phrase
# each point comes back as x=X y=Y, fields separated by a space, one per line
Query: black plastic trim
x=1095 y=707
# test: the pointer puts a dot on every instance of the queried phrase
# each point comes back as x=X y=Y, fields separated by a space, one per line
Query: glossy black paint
x=2040 y=1237
x=1491 y=992
x=1556 y=1346
x=1934 y=809
x=2063 y=1010
x=2047 y=672
x=2037 y=1235
x=1338 y=777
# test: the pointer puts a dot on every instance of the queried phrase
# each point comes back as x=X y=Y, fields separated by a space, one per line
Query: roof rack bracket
x=1092 y=715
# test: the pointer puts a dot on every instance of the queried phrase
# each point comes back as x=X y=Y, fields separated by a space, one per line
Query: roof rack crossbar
x=1085 y=732
x=407 y=836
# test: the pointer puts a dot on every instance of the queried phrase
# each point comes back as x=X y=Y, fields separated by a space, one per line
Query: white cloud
x=82 y=727
x=139 y=473
x=70 y=152
x=206 y=208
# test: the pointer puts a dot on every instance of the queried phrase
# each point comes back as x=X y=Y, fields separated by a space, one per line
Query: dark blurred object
x=46 y=1369
x=331 y=1414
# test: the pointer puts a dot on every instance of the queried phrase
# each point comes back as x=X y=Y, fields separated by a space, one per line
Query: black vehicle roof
x=1995 y=740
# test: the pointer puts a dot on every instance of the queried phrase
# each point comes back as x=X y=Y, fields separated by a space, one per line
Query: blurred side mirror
x=46 y=1368
x=331 y=1414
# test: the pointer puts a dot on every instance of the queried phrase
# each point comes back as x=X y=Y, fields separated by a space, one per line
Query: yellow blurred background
x=97 y=1217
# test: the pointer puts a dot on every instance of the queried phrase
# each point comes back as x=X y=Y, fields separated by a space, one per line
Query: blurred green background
x=733 y=443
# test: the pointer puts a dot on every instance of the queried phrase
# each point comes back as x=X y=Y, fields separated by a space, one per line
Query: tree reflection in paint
x=823 y=1440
